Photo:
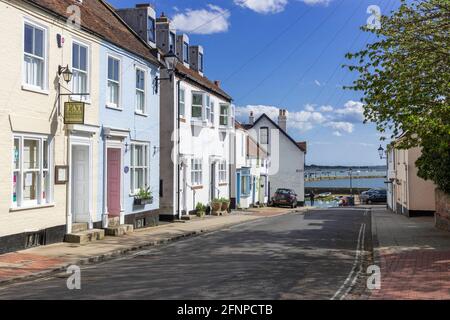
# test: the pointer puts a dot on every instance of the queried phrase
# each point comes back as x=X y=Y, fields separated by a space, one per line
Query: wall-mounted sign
x=74 y=112
x=126 y=169
x=61 y=174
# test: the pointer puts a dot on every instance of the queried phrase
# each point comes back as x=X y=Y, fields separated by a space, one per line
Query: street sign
x=74 y=113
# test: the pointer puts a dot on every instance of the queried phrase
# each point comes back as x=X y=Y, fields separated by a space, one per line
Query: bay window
x=212 y=112
x=113 y=82
x=80 y=58
x=196 y=172
x=34 y=55
x=140 y=167
x=245 y=183
x=140 y=90
x=197 y=105
x=31 y=171
x=208 y=107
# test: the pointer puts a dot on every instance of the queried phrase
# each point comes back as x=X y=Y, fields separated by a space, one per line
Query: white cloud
x=326 y=108
x=263 y=6
x=211 y=20
x=317 y=83
x=309 y=107
x=337 y=134
x=353 y=111
x=341 y=126
x=316 y=2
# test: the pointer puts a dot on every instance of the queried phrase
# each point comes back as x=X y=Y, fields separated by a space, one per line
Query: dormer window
x=151 y=29
x=200 y=62
x=186 y=52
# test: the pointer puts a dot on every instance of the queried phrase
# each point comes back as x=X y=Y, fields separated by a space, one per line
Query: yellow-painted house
x=40 y=155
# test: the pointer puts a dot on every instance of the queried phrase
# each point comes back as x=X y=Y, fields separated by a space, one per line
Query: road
x=311 y=255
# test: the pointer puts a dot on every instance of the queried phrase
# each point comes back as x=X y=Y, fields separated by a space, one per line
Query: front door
x=213 y=182
x=238 y=189
x=113 y=182
x=80 y=183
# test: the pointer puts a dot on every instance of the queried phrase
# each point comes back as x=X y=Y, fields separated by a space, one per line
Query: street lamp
x=171 y=60
x=381 y=152
x=66 y=73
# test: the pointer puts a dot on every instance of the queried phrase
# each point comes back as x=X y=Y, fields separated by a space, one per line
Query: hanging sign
x=74 y=112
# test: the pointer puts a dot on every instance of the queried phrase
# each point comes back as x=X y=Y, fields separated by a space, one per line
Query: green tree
x=405 y=78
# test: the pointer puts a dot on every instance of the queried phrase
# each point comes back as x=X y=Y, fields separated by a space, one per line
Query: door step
x=79 y=227
x=113 y=222
x=85 y=236
x=120 y=230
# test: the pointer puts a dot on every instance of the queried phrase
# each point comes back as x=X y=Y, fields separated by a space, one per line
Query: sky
x=272 y=54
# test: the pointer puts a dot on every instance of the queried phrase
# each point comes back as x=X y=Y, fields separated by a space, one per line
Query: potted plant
x=200 y=210
x=143 y=197
x=216 y=205
x=225 y=204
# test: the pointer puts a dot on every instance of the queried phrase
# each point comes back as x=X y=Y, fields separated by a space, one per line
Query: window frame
x=182 y=102
x=212 y=112
x=152 y=29
x=41 y=186
x=185 y=52
x=196 y=173
x=143 y=91
x=224 y=116
x=25 y=85
x=118 y=82
x=245 y=183
x=87 y=72
x=134 y=167
x=202 y=94
x=223 y=171
x=200 y=62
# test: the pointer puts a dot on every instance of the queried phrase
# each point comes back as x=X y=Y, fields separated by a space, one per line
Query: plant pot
x=216 y=206
x=225 y=206
x=142 y=202
x=200 y=214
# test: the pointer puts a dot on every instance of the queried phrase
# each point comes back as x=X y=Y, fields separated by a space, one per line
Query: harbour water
x=345 y=183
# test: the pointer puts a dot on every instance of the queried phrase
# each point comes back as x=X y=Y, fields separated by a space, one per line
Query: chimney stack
x=251 y=119
x=282 y=119
x=165 y=35
x=217 y=83
x=142 y=19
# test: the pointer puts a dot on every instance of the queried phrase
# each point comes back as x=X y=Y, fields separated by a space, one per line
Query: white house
x=251 y=185
x=286 y=156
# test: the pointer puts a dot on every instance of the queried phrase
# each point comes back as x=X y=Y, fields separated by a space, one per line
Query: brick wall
x=442 y=215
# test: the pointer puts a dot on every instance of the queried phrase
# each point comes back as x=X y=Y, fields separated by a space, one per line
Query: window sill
x=112 y=107
x=223 y=184
x=38 y=206
x=141 y=114
x=197 y=187
x=39 y=90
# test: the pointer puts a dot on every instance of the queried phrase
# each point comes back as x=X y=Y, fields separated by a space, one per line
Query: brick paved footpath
x=414 y=257
x=56 y=257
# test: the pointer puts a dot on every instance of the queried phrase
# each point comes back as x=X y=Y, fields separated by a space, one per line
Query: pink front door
x=113 y=182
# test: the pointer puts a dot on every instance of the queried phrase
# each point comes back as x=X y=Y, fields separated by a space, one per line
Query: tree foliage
x=405 y=78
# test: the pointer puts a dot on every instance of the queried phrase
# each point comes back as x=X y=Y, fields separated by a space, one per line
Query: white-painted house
x=286 y=165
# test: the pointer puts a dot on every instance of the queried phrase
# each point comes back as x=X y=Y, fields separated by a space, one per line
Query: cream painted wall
x=35 y=112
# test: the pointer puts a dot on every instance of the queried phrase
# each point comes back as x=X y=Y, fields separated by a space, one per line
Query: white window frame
x=224 y=116
x=182 y=110
x=266 y=129
x=134 y=167
x=207 y=107
x=197 y=105
x=212 y=120
x=223 y=171
x=39 y=201
x=119 y=82
x=87 y=72
x=31 y=87
x=144 y=107
x=197 y=173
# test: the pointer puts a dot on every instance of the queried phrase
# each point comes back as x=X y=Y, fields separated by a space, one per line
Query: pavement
x=41 y=261
x=301 y=255
x=413 y=255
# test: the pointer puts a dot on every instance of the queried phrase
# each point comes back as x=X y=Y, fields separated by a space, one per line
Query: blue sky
x=272 y=54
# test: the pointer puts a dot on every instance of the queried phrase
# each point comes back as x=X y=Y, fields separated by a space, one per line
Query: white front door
x=80 y=183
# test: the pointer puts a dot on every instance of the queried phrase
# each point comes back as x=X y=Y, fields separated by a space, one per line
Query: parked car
x=364 y=197
x=374 y=195
x=285 y=197
x=379 y=196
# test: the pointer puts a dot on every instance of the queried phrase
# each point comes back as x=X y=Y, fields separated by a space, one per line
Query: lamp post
x=382 y=153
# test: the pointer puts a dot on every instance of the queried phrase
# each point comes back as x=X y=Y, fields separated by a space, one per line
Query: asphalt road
x=294 y=256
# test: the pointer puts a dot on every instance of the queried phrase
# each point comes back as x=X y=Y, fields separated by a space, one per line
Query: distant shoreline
x=340 y=177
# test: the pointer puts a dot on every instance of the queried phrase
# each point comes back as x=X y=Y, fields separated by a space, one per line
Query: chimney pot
x=282 y=119
x=251 y=118
x=143 y=5
x=217 y=83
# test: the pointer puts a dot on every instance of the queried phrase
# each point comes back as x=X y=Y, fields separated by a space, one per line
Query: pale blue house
x=128 y=184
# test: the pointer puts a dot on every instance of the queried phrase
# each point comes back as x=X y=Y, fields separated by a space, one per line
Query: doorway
x=113 y=181
x=80 y=183
x=213 y=182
